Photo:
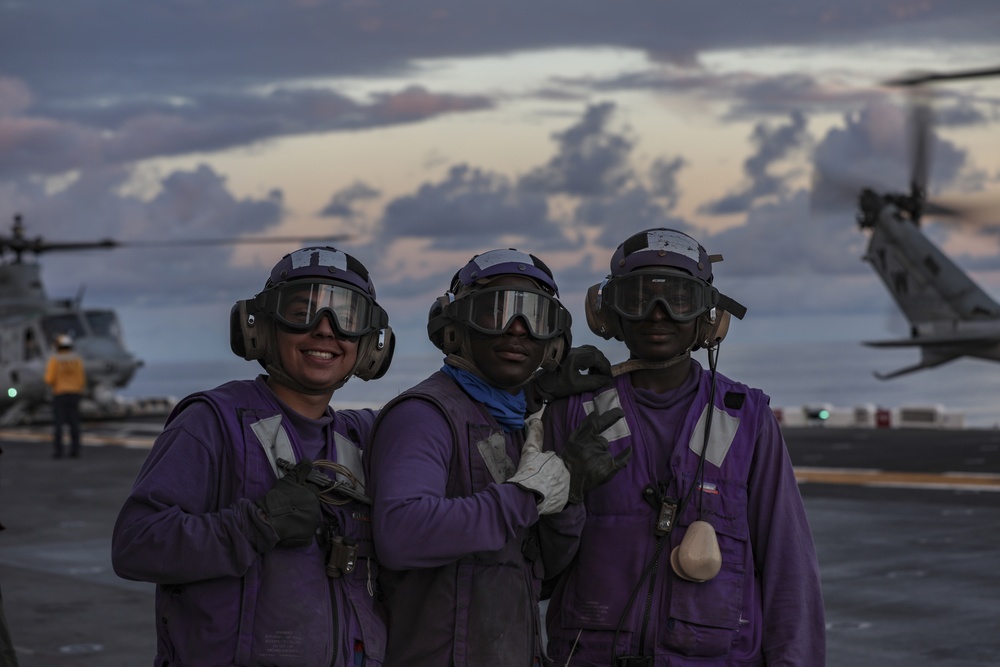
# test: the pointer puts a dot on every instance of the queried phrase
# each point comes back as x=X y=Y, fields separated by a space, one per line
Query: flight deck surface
x=906 y=523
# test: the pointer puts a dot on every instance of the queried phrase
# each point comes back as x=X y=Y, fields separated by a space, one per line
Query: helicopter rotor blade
x=836 y=191
x=20 y=244
x=920 y=120
x=983 y=213
x=933 y=77
x=247 y=240
x=38 y=246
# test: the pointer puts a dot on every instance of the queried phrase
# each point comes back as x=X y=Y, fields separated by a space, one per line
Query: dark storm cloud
x=747 y=95
x=342 y=203
x=99 y=47
x=590 y=159
x=79 y=138
x=197 y=204
x=190 y=205
x=781 y=238
x=469 y=208
x=625 y=213
x=474 y=208
x=873 y=148
x=95 y=86
x=966 y=112
x=773 y=144
x=119 y=80
x=663 y=178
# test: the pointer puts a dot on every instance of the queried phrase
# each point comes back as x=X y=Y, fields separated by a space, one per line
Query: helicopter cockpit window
x=103 y=323
x=70 y=323
x=32 y=349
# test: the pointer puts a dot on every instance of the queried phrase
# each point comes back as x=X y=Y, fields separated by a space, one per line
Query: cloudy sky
x=430 y=130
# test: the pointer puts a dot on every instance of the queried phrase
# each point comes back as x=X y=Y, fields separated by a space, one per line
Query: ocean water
x=839 y=374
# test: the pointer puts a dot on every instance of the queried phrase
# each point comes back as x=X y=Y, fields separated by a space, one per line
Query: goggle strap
x=731 y=306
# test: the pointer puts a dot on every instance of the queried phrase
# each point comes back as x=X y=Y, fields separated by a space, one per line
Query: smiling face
x=509 y=359
x=316 y=358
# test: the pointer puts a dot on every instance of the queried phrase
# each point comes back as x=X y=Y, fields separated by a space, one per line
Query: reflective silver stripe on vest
x=605 y=401
x=494 y=453
x=349 y=456
x=724 y=428
x=272 y=437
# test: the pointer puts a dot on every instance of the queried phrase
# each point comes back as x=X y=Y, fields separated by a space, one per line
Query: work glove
x=541 y=472
x=587 y=455
x=585 y=368
x=290 y=514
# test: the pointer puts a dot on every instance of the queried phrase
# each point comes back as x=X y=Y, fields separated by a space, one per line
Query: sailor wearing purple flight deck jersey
x=469 y=509
x=698 y=552
x=251 y=514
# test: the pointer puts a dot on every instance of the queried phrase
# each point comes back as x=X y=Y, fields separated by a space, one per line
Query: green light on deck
x=12 y=392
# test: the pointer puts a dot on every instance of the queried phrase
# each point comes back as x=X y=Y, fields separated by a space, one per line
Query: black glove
x=587 y=457
x=290 y=511
x=585 y=368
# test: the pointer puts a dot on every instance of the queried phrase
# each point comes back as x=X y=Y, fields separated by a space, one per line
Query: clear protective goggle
x=492 y=310
x=635 y=295
x=299 y=306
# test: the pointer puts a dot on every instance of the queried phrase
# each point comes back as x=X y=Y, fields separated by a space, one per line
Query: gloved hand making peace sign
x=587 y=455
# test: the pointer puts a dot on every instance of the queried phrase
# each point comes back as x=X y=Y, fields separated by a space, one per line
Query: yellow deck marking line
x=852 y=476
x=866 y=477
x=85 y=439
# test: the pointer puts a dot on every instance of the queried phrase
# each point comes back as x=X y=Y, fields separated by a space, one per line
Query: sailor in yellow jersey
x=65 y=376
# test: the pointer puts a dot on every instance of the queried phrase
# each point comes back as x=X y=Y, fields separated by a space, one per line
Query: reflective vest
x=290 y=611
x=488 y=600
x=64 y=373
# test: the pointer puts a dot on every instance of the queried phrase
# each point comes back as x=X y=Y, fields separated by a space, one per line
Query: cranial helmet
x=304 y=287
x=666 y=268
x=64 y=342
x=472 y=304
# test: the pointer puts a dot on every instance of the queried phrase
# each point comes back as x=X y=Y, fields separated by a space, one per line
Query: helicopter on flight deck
x=30 y=321
x=950 y=316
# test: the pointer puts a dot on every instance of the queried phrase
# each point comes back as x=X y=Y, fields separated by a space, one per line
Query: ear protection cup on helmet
x=715 y=326
x=236 y=341
x=375 y=354
x=247 y=333
x=556 y=350
x=601 y=320
x=441 y=331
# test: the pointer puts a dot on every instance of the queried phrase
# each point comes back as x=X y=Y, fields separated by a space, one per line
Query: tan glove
x=543 y=473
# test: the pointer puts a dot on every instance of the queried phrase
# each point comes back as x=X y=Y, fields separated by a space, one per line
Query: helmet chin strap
x=465 y=348
x=461 y=362
x=272 y=364
x=644 y=365
x=285 y=379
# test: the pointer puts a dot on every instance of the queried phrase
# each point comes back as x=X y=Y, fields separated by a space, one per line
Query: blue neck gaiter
x=507 y=408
